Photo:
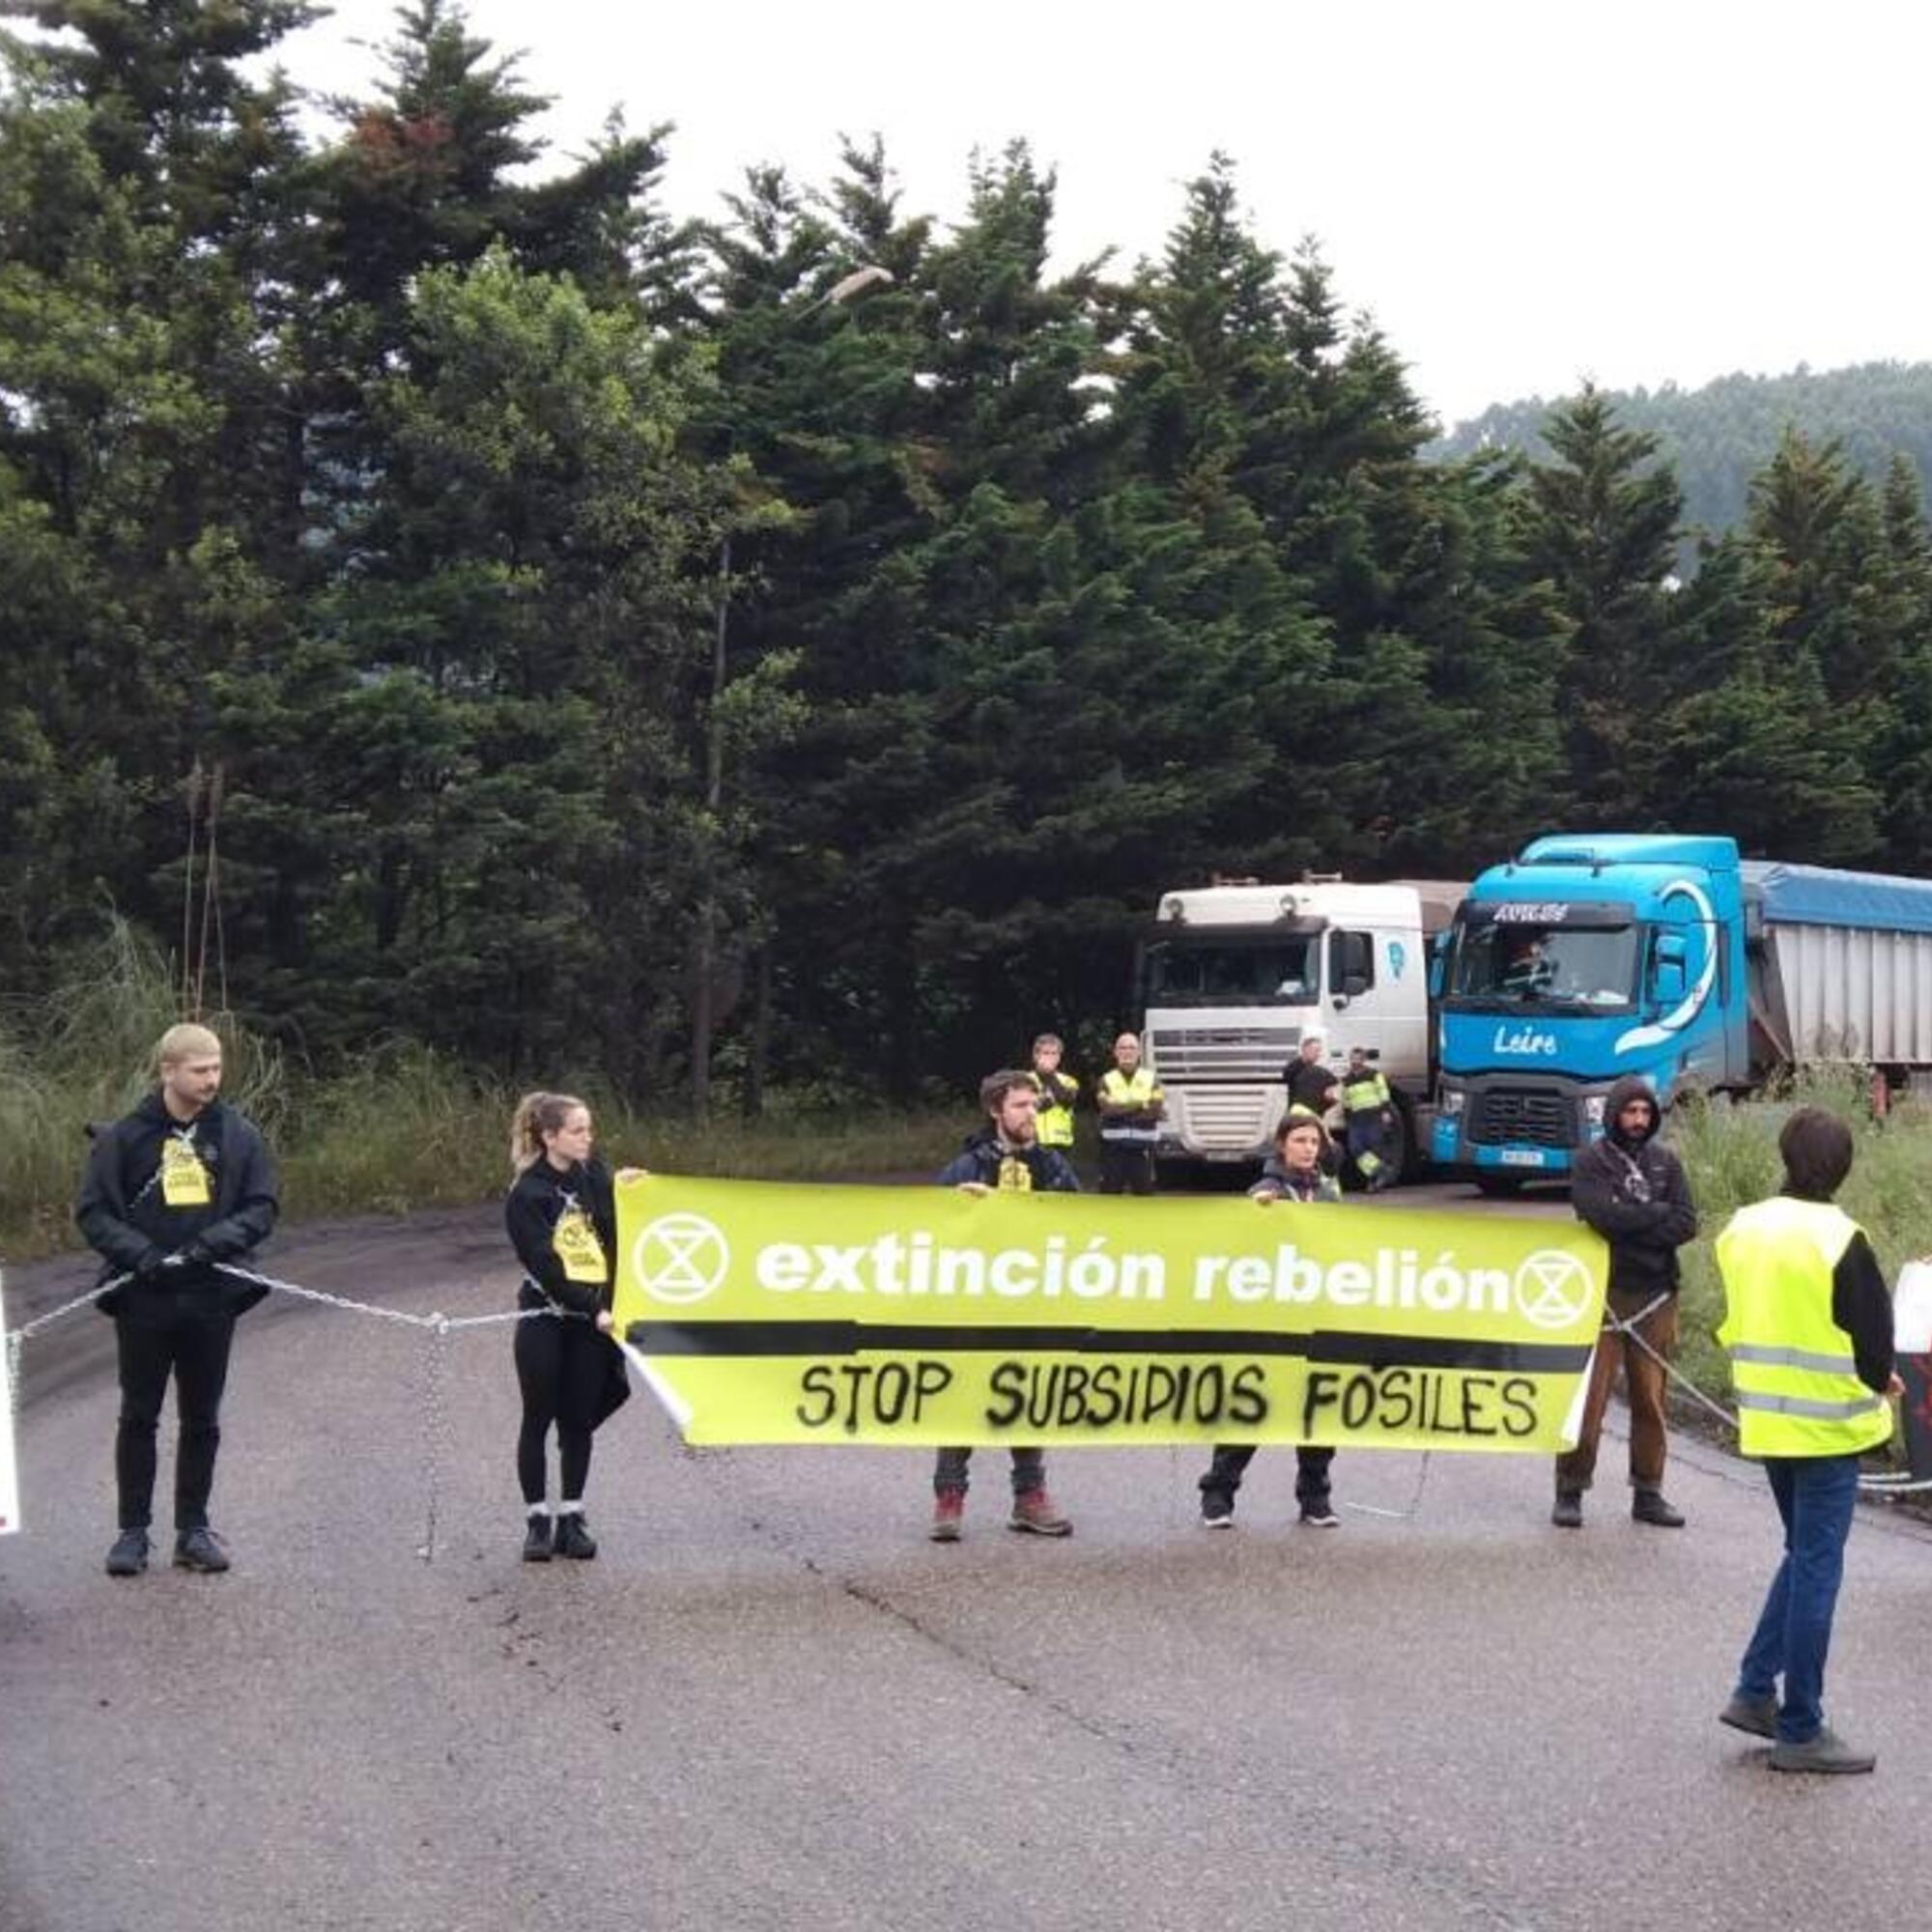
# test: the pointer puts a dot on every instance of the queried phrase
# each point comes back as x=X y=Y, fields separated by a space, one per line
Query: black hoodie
x=128 y=1222
x=1634 y=1193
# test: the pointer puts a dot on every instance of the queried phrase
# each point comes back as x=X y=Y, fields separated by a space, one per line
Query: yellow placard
x=184 y=1177
x=578 y=1247
x=768 y=1313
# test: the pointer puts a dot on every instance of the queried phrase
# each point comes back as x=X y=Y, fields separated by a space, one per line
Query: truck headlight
x=1593 y=1109
x=1452 y=1102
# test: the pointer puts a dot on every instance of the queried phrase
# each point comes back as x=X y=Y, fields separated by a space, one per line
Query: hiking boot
x=1035 y=1512
x=539 y=1537
x=1649 y=1506
x=1568 y=1513
x=1756 y=1715
x=1828 y=1751
x=1320 y=1516
x=574 y=1538
x=1217 y=1508
x=948 y=1514
x=130 y=1556
x=200 y=1549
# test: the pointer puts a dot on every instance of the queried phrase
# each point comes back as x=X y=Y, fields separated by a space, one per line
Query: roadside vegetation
x=1730 y=1153
x=400 y=1130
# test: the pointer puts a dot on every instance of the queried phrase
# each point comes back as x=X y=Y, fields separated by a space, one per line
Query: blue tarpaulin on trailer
x=1818 y=896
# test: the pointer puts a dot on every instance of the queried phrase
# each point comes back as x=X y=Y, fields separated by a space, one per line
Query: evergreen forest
x=1719 y=437
x=453 y=602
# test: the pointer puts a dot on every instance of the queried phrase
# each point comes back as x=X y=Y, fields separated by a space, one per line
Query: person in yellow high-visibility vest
x=1130 y=1103
x=1809 y=1326
x=1368 y=1110
x=1058 y=1093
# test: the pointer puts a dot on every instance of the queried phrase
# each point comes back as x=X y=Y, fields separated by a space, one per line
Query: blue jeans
x=1815 y=1496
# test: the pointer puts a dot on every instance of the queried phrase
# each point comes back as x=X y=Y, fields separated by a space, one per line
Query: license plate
x=1521 y=1157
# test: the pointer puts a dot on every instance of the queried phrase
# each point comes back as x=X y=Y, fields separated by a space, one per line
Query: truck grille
x=1223 y=1120
x=1522 y=1114
x=1223 y=1053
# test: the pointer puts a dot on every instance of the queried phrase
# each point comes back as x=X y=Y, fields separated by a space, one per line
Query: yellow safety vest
x=1369 y=1089
x=1055 y=1122
x=1797 y=1383
x=1141 y=1091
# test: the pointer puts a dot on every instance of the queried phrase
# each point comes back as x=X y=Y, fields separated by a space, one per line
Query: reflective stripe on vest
x=1795 y=1374
x=1053 y=1121
x=1368 y=1089
x=1141 y=1090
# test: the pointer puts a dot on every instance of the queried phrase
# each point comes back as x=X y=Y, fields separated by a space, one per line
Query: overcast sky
x=1522 y=191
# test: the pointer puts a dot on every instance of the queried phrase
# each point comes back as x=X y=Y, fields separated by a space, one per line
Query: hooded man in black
x=1634 y=1193
x=176 y=1188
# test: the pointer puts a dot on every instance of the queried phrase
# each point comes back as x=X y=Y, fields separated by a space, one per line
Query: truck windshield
x=1275 y=969
x=1553 y=968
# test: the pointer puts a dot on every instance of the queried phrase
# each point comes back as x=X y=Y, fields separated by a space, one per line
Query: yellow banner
x=764 y=1313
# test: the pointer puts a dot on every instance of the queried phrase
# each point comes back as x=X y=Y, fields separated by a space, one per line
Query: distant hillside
x=1720 y=436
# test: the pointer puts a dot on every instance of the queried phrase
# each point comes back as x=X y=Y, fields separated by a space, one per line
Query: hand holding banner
x=923 y=1315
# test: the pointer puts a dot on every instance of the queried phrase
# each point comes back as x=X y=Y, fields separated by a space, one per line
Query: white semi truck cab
x=1234 y=975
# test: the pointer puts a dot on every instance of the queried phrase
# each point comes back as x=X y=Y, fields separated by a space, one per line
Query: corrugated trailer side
x=1846 y=962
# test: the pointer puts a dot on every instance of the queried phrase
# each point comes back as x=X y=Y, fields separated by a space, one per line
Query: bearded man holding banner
x=178 y=1188
x=1004 y=1155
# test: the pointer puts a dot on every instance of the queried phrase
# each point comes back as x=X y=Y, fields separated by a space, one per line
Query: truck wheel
x=1499 y=1186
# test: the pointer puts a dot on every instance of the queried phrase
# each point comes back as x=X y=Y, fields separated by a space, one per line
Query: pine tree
x=1608 y=517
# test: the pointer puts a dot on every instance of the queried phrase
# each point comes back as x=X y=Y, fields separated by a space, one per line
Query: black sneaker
x=1649 y=1506
x=1320 y=1516
x=200 y=1549
x=1217 y=1508
x=130 y=1556
x=1567 y=1512
x=1828 y=1751
x=537 y=1536
x=574 y=1538
x=1757 y=1716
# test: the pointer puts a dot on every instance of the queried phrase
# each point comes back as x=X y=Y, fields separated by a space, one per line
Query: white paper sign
x=9 y=1484
x=1911 y=1310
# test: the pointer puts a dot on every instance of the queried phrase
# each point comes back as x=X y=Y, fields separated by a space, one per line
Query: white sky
x=1522 y=191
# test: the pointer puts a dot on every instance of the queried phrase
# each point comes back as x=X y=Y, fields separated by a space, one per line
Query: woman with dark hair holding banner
x=1296 y=1172
x=562 y=1219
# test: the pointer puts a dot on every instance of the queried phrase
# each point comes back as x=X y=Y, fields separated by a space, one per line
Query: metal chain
x=1888 y=1485
x=435 y=1428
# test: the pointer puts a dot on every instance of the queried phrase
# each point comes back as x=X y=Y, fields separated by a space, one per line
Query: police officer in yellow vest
x=1130 y=1103
x=1058 y=1093
x=1809 y=1326
x=1368 y=1109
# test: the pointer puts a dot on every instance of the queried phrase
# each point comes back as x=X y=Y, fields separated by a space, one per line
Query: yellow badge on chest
x=184 y=1179
x=1016 y=1177
x=579 y=1249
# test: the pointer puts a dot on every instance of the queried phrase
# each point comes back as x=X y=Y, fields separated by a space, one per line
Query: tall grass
x=403 y=1128
x=1730 y=1156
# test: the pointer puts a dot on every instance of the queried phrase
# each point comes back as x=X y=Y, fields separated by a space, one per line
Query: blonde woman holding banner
x=562 y=1220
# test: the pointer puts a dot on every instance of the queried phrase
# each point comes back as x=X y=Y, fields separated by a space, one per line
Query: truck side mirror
x=1438 y=962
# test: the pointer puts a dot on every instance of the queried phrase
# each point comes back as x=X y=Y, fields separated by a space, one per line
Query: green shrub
x=403 y=1128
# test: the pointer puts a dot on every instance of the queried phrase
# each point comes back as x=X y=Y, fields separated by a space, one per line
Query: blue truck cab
x=1588 y=957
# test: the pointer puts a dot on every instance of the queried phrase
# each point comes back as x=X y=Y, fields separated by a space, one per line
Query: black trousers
x=1126 y=1167
x=565 y=1370
x=195 y=1350
x=1230 y=1461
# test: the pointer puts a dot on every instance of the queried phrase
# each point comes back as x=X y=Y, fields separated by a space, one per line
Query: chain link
x=1901 y=1484
x=437 y=1328
x=435 y=1428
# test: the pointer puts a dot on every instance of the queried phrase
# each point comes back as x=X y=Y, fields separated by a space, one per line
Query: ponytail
x=537 y=1114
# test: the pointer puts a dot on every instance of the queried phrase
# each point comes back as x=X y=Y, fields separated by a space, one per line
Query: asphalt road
x=771 y=1703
